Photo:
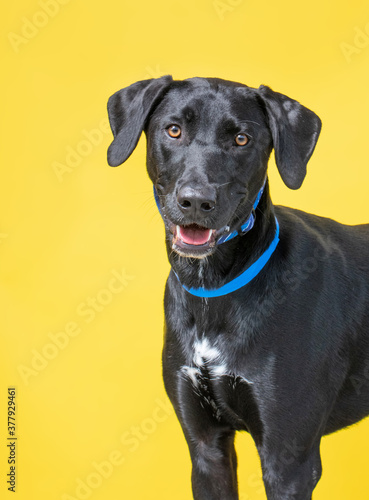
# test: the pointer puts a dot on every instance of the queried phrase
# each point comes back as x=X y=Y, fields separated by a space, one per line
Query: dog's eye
x=241 y=139
x=174 y=131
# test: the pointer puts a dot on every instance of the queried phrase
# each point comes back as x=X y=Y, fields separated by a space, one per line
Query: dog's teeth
x=210 y=233
x=178 y=231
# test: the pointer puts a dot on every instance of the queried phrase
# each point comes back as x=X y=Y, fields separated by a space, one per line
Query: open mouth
x=193 y=240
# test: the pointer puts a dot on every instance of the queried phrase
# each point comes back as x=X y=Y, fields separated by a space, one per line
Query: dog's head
x=208 y=145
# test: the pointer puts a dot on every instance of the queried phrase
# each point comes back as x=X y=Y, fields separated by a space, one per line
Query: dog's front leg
x=214 y=466
x=291 y=469
x=210 y=440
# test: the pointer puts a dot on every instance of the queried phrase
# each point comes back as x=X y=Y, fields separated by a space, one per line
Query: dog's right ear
x=128 y=110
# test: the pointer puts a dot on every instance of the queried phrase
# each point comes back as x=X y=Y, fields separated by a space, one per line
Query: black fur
x=293 y=344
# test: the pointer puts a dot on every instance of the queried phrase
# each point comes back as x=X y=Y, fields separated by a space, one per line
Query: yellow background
x=101 y=398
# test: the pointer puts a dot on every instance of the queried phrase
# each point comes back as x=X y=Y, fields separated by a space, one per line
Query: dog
x=266 y=307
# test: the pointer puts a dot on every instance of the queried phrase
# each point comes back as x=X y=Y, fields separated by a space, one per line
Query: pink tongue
x=194 y=236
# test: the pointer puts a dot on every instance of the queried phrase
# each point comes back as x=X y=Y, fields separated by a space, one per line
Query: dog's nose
x=196 y=201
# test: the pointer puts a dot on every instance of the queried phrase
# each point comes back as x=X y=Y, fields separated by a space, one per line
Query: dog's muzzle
x=194 y=240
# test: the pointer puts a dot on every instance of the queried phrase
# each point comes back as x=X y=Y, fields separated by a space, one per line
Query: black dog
x=266 y=332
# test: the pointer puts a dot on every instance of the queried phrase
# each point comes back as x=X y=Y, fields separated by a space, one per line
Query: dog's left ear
x=295 y=131
x=128 y=110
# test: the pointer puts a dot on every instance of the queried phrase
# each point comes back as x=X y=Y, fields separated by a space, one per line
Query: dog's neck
x=230 y=259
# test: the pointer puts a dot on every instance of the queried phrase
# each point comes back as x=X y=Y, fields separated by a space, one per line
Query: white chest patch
x=210 y=357
x=205 y=355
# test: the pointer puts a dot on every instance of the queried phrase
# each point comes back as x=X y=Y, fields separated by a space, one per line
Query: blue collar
x=243 y=279
x=251 y=272
x=249 y=224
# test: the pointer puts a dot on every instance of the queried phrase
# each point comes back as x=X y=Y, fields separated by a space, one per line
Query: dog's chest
x=206 y=359
x=218 y=387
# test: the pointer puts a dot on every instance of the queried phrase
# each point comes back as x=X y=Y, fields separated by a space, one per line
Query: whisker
x=250 y=121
